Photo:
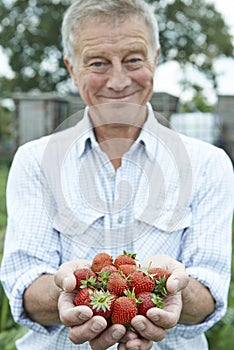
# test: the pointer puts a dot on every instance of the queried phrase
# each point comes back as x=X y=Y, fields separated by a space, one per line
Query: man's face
x=114 y=62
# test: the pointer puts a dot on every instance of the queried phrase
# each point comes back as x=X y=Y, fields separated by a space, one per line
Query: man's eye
x=134 y=60
x=134 y=63
x=97 y=64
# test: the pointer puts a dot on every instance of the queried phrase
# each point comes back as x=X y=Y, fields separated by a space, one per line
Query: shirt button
x=112 y=176
x=120 y=220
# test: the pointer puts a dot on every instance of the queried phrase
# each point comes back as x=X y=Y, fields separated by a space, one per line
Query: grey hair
x=82 y=10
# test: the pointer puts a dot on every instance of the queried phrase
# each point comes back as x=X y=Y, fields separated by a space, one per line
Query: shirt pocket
x=168 y=219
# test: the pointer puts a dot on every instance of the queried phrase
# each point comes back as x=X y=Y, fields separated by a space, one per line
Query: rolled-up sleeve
x=207 y=243
x=32 y=246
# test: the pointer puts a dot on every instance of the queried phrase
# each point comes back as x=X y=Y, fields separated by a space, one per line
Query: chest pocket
x=168 y=219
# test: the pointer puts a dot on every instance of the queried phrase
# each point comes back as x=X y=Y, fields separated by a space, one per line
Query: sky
x=168 y=75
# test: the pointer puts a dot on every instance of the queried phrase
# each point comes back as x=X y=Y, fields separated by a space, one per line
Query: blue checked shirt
x=172 y=195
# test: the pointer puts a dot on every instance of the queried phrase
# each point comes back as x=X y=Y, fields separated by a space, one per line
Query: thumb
x=64 y=278
x=177 y=282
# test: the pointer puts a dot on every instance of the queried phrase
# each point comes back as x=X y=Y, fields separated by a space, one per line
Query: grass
x=220 y=337
x=3 y=179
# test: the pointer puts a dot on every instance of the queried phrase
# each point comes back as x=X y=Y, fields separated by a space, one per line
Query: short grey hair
x=82 y=10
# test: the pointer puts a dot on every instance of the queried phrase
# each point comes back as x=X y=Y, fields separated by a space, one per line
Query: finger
x=177 y=281
x=148 y=329
x=71 y=315
x=129 y=335
x=108 y=338
x=142 y=344
x=64 y=278
x=169 y=316
x=88 y=330
x=132 y=340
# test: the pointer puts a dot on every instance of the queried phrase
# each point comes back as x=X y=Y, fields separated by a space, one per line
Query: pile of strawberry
x=119 y=289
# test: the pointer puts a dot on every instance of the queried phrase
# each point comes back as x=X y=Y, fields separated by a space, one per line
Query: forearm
x=198 y=303
x=41 y=301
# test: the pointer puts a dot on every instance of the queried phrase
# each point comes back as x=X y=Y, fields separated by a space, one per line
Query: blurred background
x=193 y=93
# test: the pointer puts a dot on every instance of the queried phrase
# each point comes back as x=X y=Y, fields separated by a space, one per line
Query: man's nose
x=118 y=78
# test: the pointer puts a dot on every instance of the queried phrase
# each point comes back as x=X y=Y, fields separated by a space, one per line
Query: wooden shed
x=38 y=115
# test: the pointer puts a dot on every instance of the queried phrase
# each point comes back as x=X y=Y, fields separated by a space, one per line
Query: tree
x=199 y=102
x=192 y=32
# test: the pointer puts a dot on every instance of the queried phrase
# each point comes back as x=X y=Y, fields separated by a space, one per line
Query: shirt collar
x=148 y=134
x=85 y=134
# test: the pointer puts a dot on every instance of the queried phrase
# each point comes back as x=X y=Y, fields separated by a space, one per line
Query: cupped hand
x=83 y=326
x=154 y=326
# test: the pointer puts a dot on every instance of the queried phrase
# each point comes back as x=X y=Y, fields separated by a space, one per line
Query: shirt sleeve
x=32 y=246
x=207 y=243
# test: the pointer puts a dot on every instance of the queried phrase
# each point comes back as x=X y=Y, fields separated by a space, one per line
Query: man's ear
x=71 y=71
x=156 y=57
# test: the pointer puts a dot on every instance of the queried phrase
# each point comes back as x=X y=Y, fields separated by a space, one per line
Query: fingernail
x=155 y=318
x=176 y=285
x=65 y=281
x=83 y=317
x=117 y=334
x=139 y=326
x=96 y=327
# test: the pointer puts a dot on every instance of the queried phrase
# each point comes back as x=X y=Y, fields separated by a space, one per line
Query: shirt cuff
x=219 y=291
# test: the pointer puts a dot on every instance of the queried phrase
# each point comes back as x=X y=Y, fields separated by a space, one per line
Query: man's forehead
x=107 y=32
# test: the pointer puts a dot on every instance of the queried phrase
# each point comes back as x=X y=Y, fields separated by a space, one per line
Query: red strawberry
x=100 y=260
x=103 y=278
x=160 y=276
x=85 y=277
x=100 y=302
x=141 y=282
x=124 y=310
x=117 y=284
x=124 y=259
x=147 y=300
x=159 y=272
x=83 y=297
x=110 y=268
x=127 y=269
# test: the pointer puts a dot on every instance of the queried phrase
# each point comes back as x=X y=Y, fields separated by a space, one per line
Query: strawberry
x=124 y=259
x=103 y=278
x=102 y=303
x=85 y=277
x=147 y=300
x=127 y=269
x=99 y=301
x=160 y=276
x=83 y=297
x=141 y=282
x=124 y=309
x=100 y=260
x=110 y=268
x=117 y=284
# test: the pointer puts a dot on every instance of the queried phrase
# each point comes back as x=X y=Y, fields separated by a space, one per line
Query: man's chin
x=117 y=112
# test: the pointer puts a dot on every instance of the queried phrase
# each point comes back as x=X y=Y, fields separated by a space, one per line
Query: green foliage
x=194 y=34
x=9 y=337
x=199 y=102
x=3 y=178
x=191 y=32
x=6 y=127
x=30 y=35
